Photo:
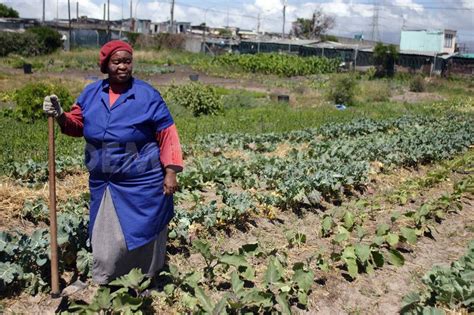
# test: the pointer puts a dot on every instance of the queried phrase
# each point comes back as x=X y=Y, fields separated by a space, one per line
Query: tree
x=8 y=12
x=314 y=27
x=384 y=59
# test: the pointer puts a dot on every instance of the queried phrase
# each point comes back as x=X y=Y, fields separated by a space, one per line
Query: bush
x=384 y=59
x=342 y=90
x=29 y=100
x=199 y=98
x=35 y=41
x=49 y=39
x=24 y=44
x=417 y=84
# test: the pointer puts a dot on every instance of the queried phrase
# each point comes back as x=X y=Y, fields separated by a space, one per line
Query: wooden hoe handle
x=52 y=209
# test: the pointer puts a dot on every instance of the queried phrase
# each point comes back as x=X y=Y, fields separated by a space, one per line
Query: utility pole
x=69 y=22
x=375 y=22
x=108 y=19
x=77 y=10
x=105 y=9
x=132 y=27
x=172 y=17
x=285 y=3
x=44 y=11
x=227 y=17
x=258 y=33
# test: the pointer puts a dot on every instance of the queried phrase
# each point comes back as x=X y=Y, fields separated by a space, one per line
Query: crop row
x=279 y=64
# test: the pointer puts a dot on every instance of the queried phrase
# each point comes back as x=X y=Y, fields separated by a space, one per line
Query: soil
x=378 y=293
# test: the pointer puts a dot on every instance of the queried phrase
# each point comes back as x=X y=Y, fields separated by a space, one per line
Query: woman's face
x=120 y=67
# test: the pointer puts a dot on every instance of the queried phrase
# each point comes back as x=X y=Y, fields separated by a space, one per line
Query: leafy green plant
x=49 y=38
x=280 y=64
x=126 y=299
x=417 y=84
x=385 y=57
x=199 y=98
x=29 y=100
x=445 y=287
x=342 y=90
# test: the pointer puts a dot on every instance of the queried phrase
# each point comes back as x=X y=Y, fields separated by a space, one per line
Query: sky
x=352 y=16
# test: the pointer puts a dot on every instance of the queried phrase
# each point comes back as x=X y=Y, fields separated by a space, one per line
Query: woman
x=133 y=155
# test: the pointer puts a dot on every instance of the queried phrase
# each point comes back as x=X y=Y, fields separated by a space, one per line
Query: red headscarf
x=109 y=49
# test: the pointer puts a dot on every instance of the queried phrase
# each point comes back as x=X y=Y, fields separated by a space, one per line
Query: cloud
x=409 y=4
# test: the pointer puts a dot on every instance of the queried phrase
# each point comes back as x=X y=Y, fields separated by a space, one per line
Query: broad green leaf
x=103 y=299
x=274 y=271
x=282 y=300
x=349 y=253
x=409 y=234
x=304 y=279
x=247 y=272
x=205 y=301
x=363 y=252
x=220 y=307
x=125 y=302
x=352 y=267
x=378 y=258
x=233 y=260
x=193 y=278
x=256 y=297
x=382 y=229
x=395 y=258
x=204 y=249
x=348 y=220
x=131 y=280
x=169 y=288
x=327 y=225
x=392 y=239
x=302 y=298
x=9 y=271
x=237 y=284
x=343 y=235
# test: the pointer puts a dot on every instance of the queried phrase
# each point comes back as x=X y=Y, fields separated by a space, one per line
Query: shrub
x=417 y=84
x=29 y=100
x=24 y=44
x=199 y=98
x=342 y=90
x=384 y=59
x=49 y=39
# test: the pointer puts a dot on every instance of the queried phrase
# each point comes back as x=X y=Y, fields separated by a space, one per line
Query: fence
x=363 y=58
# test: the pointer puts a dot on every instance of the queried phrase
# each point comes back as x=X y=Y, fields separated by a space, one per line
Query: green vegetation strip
x=445 y=288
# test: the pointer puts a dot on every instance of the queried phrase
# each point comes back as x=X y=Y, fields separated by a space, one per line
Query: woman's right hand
x=51 y=106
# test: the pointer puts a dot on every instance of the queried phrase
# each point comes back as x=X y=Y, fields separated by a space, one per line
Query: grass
x=246 y=111
x=23 y=141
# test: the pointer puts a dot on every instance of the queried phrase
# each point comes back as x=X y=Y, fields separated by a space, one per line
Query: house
x=164 y=27
x=16 y=24
x=428 y=41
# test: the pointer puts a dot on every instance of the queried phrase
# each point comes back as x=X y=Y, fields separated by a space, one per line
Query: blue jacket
x=122 y=153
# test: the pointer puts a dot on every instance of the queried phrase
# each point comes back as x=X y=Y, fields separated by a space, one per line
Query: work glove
x=51 y=106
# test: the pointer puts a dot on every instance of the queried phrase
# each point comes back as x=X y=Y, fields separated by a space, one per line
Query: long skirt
x=112 y=259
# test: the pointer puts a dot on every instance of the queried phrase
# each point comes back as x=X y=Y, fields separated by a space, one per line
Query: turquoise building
x=428 y=41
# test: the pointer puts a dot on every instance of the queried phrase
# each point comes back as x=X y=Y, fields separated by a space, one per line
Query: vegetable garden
x=283 y=221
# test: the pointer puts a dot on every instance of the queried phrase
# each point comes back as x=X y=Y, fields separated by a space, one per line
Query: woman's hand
x=170 y=183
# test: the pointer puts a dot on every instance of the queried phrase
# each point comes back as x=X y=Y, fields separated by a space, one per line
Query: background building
x=428 y=41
